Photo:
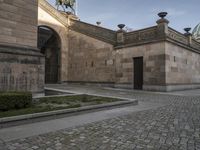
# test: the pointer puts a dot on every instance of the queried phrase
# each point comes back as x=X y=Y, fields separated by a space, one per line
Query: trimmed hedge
x=15 y=100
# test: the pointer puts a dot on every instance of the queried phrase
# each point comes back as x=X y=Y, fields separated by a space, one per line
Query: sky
x=138 y=14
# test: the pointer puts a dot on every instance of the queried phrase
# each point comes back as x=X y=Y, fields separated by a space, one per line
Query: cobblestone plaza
x=174 y=125
x=44 y=48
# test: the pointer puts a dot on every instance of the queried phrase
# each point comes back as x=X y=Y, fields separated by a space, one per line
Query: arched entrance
x=49 y=44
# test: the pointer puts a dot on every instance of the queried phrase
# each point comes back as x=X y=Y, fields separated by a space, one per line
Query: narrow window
x=92 y=64
x=174 y=58
x=113 y=61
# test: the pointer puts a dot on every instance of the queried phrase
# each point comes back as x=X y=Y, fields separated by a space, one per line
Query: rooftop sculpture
x=65 y=4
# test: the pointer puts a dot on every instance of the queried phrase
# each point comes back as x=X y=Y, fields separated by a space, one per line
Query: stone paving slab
x=194 y=92
x=27 y=130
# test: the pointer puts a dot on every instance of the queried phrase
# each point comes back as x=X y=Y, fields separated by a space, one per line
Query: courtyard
x=77 y=76
x=159 y=121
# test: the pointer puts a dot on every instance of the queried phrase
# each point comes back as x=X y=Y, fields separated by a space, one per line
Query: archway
x=49 y=45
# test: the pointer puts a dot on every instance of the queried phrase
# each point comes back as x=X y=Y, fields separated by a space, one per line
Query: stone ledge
x=169 y=88
x=96 y=83
x=17 y=50
x=119 y=47
x=170 y=40
x=124 y=85
x=72 y=111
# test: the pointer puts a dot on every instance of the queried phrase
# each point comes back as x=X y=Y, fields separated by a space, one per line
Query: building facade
x=68 y=50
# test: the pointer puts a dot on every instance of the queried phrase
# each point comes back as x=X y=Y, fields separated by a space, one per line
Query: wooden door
x=138 y=73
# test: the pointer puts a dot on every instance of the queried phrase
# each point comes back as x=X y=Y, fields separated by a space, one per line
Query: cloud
x=171 y=11
x=175 y=13
x=102 y=17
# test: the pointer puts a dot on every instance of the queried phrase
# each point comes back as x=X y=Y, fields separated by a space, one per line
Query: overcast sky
x=138 y=14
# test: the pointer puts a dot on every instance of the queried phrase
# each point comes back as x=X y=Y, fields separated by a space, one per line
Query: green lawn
x=57 y=103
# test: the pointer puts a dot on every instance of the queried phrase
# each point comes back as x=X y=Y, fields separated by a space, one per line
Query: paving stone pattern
x=174 y=126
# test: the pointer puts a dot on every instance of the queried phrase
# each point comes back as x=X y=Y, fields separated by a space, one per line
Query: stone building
x=156 y=58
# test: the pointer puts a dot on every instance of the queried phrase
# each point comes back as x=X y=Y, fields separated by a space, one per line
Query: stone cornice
x=181 y=40
x=10 y=49
x=183 y=45
x=138 y=43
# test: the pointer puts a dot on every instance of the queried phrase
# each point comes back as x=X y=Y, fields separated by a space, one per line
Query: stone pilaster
x=120 y=34
x=162 y=25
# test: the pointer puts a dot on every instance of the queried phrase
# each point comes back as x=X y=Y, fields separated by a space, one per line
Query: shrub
x=15 y=100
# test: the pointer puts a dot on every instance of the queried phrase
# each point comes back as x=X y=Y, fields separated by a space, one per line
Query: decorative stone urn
x=121 y=26
x=162 y=15
x=187 y=30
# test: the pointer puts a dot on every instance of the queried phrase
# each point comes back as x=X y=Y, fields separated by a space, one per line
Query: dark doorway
x=138 y=73
x=49 y=44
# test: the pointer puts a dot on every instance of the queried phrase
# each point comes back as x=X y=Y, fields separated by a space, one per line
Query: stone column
x=21 y=63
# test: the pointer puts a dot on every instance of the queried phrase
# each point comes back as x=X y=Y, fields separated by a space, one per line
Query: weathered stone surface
x=21 y=72
x=90 y=60
x=18 y=21
x=153 y=55
x=21 y=64
x=183 y=65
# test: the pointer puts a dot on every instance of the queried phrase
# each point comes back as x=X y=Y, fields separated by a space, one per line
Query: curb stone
x=124 y=102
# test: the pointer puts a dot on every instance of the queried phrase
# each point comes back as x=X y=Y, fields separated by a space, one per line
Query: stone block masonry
x=90 y=60
x=170 y=59
x=91 y=53
x=18 y=21
x=21 y=64
x=21 y=72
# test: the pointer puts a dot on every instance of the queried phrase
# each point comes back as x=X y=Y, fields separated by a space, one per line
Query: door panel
x=138 y=73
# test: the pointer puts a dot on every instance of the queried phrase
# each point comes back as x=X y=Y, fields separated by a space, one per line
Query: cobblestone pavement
x=174 y=126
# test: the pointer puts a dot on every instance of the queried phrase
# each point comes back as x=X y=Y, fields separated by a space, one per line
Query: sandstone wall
x=18 y=22
x=182 y=66
x=153 y=64
x=21 y=64
x=90 y=60
x=21 y=72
